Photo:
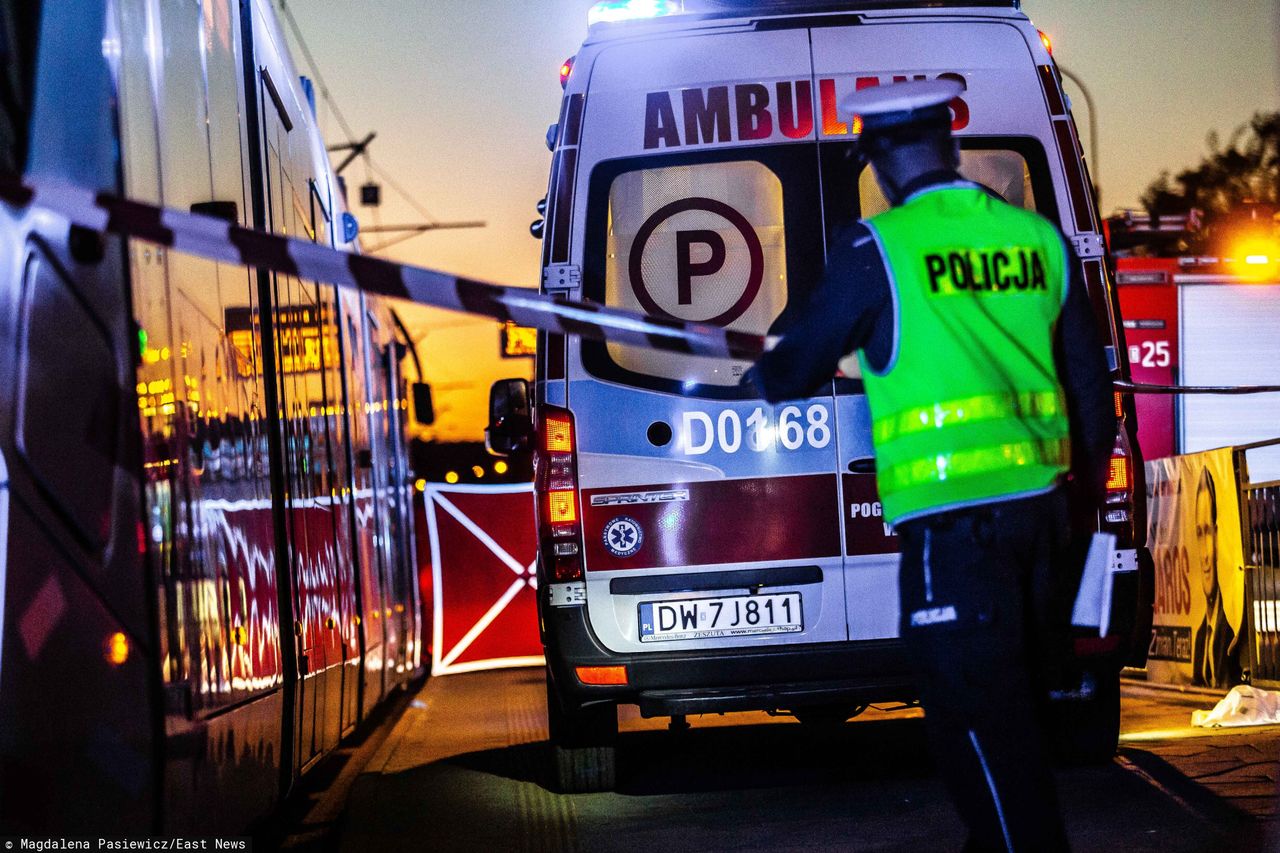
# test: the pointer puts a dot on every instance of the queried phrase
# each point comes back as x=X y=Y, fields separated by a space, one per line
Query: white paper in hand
x=1093 y=601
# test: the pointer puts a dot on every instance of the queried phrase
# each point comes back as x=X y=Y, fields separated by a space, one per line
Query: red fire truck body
x=1203 y=322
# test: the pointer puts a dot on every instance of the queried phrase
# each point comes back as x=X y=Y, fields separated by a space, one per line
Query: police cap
x=903 y=106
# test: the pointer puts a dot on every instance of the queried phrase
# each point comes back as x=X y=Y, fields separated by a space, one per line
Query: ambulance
x=703 y=551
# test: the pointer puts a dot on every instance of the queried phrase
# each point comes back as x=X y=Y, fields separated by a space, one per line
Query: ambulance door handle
x=863 y=465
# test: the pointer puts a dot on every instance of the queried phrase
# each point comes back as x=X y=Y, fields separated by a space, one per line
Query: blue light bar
x=612 y=11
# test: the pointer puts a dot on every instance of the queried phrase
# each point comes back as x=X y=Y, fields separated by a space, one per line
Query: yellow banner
x=1194 y=536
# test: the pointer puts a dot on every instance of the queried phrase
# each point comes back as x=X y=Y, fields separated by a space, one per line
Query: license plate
x=705 y=618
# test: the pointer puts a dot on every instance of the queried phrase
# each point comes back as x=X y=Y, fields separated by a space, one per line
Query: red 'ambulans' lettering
x=748 y=112
x=795 y=109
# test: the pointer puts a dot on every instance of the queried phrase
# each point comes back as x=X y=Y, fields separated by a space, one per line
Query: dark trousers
x=984 y=614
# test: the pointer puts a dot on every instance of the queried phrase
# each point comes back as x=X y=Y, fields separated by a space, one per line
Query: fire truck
x=1193 y=319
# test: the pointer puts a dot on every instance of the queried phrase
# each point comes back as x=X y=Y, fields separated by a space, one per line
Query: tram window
x=184 y=145
x=137 y=109
x=306 y=454
x=222 y=76
x=196 y=300
x=332 y=356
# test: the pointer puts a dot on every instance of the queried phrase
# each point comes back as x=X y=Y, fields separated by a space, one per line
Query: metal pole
x=413 y=231
x=1094 y=167
x=420 y=227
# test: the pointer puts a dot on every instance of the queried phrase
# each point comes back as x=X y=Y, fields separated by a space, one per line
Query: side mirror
x=424 y=412
x=510 y=427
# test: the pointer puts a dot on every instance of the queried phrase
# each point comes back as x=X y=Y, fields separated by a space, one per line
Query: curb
x=1132 y=683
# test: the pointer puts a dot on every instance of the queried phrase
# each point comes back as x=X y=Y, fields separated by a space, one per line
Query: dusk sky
x=461 y=93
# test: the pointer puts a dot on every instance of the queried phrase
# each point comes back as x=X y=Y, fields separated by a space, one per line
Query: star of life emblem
x=623 y=536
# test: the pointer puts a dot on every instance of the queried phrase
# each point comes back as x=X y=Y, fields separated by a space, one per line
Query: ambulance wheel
x=583 y=745
x=1088 y=731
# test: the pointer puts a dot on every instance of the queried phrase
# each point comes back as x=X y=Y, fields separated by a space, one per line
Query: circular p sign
x=691 y=279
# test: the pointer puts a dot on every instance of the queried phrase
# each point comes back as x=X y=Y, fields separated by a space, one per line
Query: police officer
x=983 y=371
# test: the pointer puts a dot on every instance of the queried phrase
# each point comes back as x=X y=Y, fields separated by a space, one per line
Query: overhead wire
x=367 y=160
x=315 y=71
x=408 y=197
x=332 y=103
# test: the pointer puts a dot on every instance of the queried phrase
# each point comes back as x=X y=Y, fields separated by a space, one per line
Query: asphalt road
x=465 y=767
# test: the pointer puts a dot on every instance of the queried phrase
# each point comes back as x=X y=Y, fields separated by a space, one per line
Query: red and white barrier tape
x=218 y=240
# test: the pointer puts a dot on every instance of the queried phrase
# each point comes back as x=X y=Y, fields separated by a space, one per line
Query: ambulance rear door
x=710 y=518
x=1006 y=144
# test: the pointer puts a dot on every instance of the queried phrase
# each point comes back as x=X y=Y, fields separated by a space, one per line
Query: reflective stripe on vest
x=1038 y=405
x=970 y=408
x=974 y=462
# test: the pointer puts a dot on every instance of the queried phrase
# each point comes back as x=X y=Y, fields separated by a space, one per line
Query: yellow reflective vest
x=970 y=408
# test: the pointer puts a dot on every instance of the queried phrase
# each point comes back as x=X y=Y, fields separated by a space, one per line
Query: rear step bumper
x=666 y=703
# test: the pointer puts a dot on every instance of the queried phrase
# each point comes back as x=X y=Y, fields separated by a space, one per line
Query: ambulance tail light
x=556 y=486
x=1118 y=475
x=1117 y=510
x=565 y=70
x=1046 y=41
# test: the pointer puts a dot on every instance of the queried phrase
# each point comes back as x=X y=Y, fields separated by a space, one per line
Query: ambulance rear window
x=1005 y=170
x=715 y=238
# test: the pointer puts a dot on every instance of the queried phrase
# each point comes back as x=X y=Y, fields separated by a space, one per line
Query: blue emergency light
x=612 y=11
x=616 y=11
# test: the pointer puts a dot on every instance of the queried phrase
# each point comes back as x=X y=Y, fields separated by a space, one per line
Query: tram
x=207 y=572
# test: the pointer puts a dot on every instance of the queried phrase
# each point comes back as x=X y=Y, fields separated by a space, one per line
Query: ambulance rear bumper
x=721 y=680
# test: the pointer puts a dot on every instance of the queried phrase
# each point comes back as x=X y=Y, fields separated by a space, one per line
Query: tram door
x=369 y=558
x=307 y=359
x=338 y=497
x=389 y=469
x=402 y=585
